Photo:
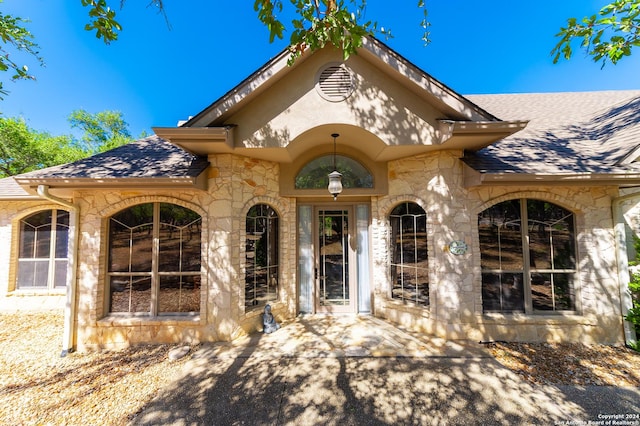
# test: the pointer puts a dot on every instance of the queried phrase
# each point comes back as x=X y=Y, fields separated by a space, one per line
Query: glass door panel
x=335 y=291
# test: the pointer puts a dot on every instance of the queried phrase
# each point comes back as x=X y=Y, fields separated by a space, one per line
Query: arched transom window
x=314 y=175
x=261 y=266
x=527 y=250
x=42 y=261
x=154 y=260
x=409 y=255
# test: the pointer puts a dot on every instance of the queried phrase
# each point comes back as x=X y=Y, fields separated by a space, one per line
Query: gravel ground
x=37 y=386
x=570 y=364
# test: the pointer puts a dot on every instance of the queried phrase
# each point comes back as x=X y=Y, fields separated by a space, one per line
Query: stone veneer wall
x=435 y=182
x=235 y=185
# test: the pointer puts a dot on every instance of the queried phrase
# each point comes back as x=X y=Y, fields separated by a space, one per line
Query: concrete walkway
x=359 y=370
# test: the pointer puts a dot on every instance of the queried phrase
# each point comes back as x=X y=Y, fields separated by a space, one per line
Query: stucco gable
x=390 y=109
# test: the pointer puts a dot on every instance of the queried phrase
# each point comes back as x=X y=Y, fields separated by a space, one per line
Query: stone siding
x=434 y=181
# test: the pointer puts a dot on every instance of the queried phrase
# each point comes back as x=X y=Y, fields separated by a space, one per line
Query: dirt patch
x=37 y=386
x=570 y=364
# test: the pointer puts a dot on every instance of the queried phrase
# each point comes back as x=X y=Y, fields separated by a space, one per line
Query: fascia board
x=480 y=179
x=109 y=183
x=265 y=76
x=424 y=81
x=475 y=135
x=199 y=140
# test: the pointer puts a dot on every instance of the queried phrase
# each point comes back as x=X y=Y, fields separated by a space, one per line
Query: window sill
x=117 y=321
x=37 y=292
x=413 y=309
x=546 y=319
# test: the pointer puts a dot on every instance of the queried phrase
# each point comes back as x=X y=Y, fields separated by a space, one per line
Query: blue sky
x=158 y=75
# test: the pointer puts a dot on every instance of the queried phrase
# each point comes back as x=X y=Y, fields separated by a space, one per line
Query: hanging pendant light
x=335 y=177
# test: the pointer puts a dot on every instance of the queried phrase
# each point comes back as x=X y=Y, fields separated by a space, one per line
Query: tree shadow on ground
x=259 y=384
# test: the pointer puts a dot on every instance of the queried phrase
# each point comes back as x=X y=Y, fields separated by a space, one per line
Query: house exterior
x=494 y=217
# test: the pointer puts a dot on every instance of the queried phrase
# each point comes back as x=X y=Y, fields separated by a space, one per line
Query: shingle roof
x=585 y=132
x=151 y=157
x=10 y=190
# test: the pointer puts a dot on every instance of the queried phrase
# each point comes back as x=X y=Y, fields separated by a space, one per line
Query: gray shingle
x=10 y=190
x=151 y=157
x=587 y=132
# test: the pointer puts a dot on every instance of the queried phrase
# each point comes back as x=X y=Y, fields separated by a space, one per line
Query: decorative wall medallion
x=458 y=247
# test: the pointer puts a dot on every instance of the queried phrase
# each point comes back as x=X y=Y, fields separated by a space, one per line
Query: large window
x=528 y=257
x=409 y=260
x=261 y=271
x=154 y=260
x=42 y=262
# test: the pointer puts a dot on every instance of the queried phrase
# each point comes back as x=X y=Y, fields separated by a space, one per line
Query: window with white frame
x=42 y=259
x=154 y=260
x=528 y=257
x=261 y=256
x=409 y=255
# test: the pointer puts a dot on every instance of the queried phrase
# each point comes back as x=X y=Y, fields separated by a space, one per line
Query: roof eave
x=424 y=81
x=475 y=178
x=472 y=136
x=199 y=140
x=111 y=183
x=255 y=83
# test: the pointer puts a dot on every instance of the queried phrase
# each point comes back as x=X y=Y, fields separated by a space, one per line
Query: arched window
x=527 y=250
x=314 y=175
x=409 y=258
x=261 y=270
x=42 y=261
x=154 y=260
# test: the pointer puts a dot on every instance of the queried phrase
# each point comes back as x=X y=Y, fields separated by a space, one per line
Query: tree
x=23 y=149
x=317 y=23
x=608 y=36
x=102 y=131
x=15 y=39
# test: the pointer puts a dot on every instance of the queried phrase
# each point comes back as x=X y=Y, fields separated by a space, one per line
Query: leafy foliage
x=318 y=23
x=610 y=35
x=102 y=131
x=23 y=149
x=16 y=38
x=633 y=315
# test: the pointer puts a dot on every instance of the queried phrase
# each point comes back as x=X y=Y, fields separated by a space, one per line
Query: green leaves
x=101 y=131
x=23 y=149
x=318 y=23
x=102 y=20
x=608 y=36
x=16 y=40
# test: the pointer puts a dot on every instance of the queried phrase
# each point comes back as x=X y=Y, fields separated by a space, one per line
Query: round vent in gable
x=335 y=82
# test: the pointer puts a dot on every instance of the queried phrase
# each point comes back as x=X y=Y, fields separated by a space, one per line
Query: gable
x=391 y=110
